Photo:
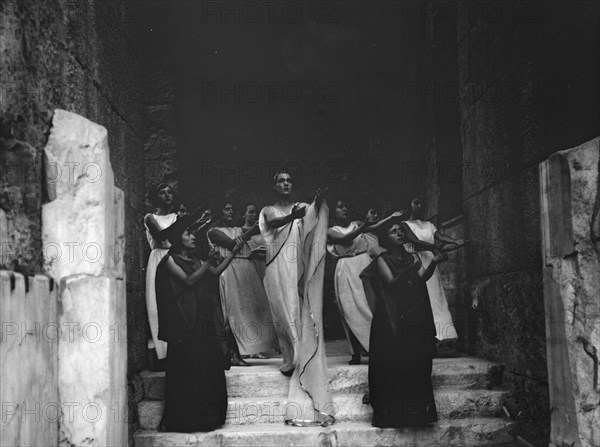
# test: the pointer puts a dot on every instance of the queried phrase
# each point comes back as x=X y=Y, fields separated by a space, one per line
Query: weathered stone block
x=28 y=366
x=77 y=236
x=92 y=361
x=569 y=188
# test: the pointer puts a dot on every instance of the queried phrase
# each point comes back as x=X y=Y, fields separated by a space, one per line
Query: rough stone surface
x=519 y=101
x=570 y=185
x=92 y=361
x=81 y=57
x=265 y=380
x=28 y=366
x=450 y=403
x=20 y=202
x=470 y=432
x=77 y=235
x=466 y=392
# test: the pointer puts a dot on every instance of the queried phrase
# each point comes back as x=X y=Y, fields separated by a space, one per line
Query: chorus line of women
x=221 y=292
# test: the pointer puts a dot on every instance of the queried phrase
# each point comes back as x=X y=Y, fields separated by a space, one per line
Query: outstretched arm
x=278 y=222
x=335 y=237
x=413 y=239
x=375 y=226
x=178 y=272
x=441 y=237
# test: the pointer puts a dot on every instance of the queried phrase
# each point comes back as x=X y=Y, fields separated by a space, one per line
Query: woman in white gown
x=424 y=238
x=347 y=242
x=162 y=197
x=245 y=305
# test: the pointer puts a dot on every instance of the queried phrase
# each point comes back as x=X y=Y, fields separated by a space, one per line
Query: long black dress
x=195 y=390
x=402 y=346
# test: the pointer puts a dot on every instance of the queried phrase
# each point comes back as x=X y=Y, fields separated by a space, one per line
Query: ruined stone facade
x=527 y=86
x=83 y=57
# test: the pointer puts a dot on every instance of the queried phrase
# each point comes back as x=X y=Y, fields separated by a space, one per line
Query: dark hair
x=217 y=209
x=250 y=204
x=413 y=197
x=153 y=194
x=276 y=176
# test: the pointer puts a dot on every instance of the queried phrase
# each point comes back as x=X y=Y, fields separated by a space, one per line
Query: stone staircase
x=468 y=395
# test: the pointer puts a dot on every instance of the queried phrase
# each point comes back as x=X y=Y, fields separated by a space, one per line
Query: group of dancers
x=217 y=293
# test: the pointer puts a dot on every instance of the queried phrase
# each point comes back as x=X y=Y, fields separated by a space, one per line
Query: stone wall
x=84 y=57
x=28 y=360
x=527 y=87
x=81 y=57
x=570 y=199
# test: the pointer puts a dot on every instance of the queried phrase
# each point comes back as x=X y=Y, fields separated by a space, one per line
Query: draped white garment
x=159 y=250
x=425 y=231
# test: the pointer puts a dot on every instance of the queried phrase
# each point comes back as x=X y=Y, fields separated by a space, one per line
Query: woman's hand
x=369 y=221
x=182 y=211
x=214 y=257
x=298 y=212
x=239 y=243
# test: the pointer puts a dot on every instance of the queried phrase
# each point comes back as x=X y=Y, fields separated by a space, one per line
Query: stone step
x=478 y=432
x=264 y=379
x=452 y=403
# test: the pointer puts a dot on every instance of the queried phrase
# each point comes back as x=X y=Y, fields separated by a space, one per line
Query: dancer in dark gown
x=195 y=390
x=402 y=340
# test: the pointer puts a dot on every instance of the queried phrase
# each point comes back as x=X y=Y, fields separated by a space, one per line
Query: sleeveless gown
x=349 y=291
x=425 y=231
x=159 y=249
x=243 y=299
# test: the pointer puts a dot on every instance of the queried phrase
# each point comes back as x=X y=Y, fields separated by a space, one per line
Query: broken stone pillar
x=83 y=242
x=569 y=191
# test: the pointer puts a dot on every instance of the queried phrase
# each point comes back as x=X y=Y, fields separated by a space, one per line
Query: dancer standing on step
x=295 y=236
x=422 y=237
x=162 y=197
x=195 y=389
x=402 y=335
x=347 y=243
x=245 y=307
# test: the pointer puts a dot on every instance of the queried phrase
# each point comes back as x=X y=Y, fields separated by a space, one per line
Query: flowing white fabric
x=245 y=304
x=281 y=282
x=159 y=250
x=425 y=231
x=296 y=266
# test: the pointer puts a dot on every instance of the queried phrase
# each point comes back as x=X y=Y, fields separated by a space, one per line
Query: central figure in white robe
x=295 y=238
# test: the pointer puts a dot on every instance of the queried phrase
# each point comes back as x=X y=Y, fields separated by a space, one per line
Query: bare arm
x=413 y=239
x=252 y=231
x=178 y=272
x=375 y=226
x=221 y=239
x=278 y=222
x=441 y=237
x=155 y=231
x=217 y=270
x=335 y=237
x=426 y=273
